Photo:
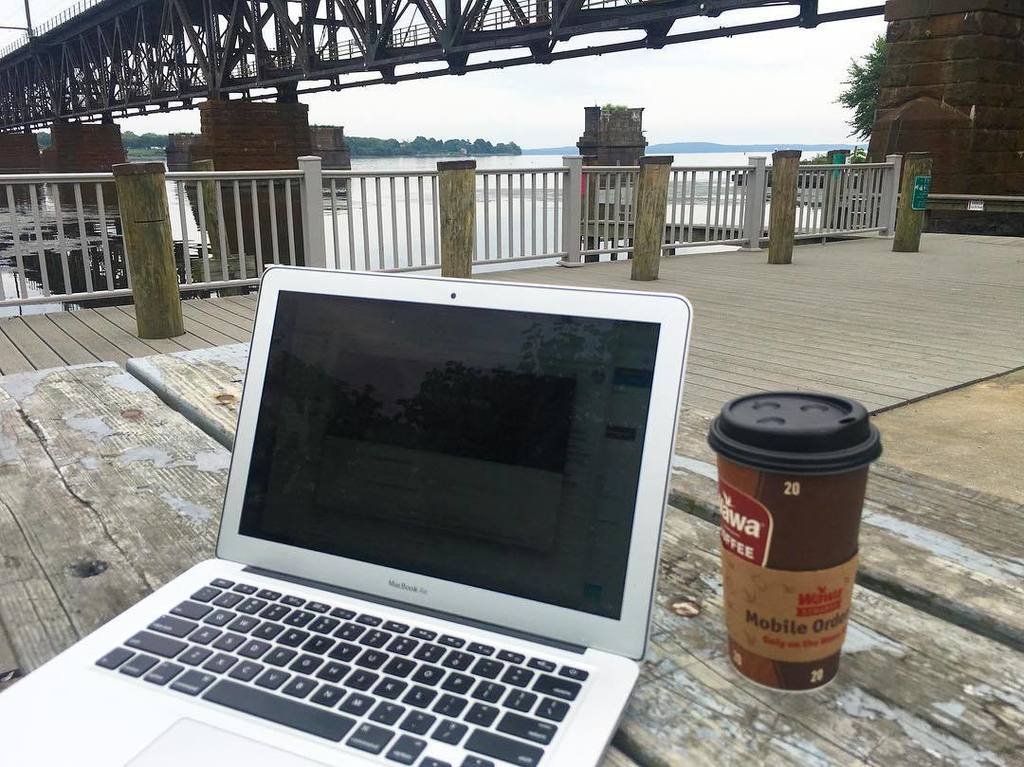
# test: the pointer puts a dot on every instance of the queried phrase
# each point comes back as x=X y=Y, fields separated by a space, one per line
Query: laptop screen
x=492 y=448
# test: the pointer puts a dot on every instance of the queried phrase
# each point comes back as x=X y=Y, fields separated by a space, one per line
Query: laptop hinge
x=568 y=646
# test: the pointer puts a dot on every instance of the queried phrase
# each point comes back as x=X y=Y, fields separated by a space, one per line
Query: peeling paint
x=213 y=460
x=235 y=355
x=23 y=385
x=94 y=428
x=8 y=450
x=158 y=456
x=863 y=639
x=951 y=707
x=947 y=547
x=126 y=382
x=187 y=509
x=90 y=462
x=684 y=463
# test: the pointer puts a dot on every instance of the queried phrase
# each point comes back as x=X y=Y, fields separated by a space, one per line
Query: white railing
x=841 y=199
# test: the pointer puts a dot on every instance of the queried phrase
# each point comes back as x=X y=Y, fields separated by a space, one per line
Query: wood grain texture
x=649 y=226
x=105 y=494
x=909 y=222
x=782 y=214
x=942 y=548
x=457 y=192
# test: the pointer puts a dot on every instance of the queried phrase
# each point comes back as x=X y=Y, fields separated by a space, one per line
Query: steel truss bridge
x=107 y=58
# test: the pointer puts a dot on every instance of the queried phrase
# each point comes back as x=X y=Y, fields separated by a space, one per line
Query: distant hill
x=703 y=147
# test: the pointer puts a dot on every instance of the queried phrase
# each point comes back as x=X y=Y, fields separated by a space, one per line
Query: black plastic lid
x=796 y=432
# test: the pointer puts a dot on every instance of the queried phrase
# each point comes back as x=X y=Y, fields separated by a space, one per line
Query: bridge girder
x=135 y=56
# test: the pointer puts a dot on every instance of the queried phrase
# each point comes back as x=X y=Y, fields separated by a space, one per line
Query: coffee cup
x=792 y=471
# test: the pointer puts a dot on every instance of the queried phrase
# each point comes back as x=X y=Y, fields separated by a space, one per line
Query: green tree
x=861 y=94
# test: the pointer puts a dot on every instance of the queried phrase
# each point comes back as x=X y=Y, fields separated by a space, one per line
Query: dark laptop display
x=492 y=448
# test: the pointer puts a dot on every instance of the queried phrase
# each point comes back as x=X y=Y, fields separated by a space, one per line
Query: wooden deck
x=850 y=317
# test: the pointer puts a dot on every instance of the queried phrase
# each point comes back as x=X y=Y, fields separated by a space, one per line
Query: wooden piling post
x=649 y=223
x=456 y=183
x=149 y=248
x=782 y=218
x=917 y=172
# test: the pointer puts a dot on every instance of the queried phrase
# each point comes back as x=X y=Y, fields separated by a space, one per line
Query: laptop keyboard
x=381 y=687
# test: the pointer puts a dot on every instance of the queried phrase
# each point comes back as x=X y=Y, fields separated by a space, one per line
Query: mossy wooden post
x=649 y=221
x=149 y=248
x=456 y=183
x=782 y=218
x=909 y=221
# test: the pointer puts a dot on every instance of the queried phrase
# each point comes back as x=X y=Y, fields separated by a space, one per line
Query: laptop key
x=556 y=687
x=254 y=648
x=459 y=661
x=344 y=652
x=421 y=697
x=206 y=634
x=429 y=636
x=541 y=665
x=139 y=665
x=375 y=638
x=193 y=656
x=555 y=710
x=228 y=599
x=450 y=732
x=193 y=610
x=369 y=620
x=350 y=631
x=476 y=761
x=481 y=714
x=398 y=628
x=406 y=749
x=192 y=682
x=244 y=588
x=324 y=625
x=490 y=692
x=459 y=683
x=573 y=673
x=400 y=667
x=371 y=659
x=526 y=728
x=430 y=653
x=328 y=695
x=390 y=688
x=245 y=670
x=299 y=687
x=356 y=704
x=251 y=606
x=402 y=645
x=343 y=614
x=243 y=624
x=292 y=601
x=417 y=722
x=480 y=649
x=427 y=674
x=155 y=643
x=222 y=583
x=429 y=761
x=317 y=607
x=487 y=668
x=450 y=705
x=517 y=675
x=293 y=637
x=318 y=644
x=306 y=664
x=273 y=596
x=205 y=594
x=387 y=713
x=299 y=618
x=220 y=663
x=220 y=617
x=361 y=680
x=334 y=672
x=114 y=658
x=272 y=678
x=511 y=657
x=163 y=673
x=370 y=737
x=450 y=641
x=505 y=749
x=274 y=612
x=274 y=708
x=279 y=656
x=520 y=700
x=229 y=642
x=267 y=630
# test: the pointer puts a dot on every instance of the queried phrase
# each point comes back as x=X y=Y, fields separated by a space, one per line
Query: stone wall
x=329 y=144
x=179 y=150
x=19 y=153
x=953 y=85
x=83 y=148
x=243 y=135
x=612 y=137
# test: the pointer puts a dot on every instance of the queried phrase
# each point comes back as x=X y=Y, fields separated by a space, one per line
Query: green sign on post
x=922 y=185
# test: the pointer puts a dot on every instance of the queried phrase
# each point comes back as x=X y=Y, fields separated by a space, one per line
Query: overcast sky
x=769 y=87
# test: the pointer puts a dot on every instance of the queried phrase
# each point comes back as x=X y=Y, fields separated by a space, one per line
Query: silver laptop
x=438 y=547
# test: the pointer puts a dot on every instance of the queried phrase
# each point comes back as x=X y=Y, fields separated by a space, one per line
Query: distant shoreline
x=704 y=147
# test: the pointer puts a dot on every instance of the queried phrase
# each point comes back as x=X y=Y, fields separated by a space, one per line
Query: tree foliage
x=861 y=93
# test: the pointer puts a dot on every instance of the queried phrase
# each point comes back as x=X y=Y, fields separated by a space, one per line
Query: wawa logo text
x=746 y=524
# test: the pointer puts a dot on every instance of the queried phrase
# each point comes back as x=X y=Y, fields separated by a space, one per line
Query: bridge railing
x=842 y=199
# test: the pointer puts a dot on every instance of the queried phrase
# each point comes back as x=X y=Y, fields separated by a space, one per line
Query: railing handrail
x=982 y=197
x=378 y=173
x=49 y=178
x=230 y=175
x=844 y=166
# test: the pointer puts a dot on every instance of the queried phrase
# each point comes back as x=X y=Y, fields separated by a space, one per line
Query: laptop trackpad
x=195 y=744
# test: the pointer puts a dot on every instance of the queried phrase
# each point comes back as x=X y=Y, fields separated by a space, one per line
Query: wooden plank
x=99 y=346
x=115 y=494
x=911 y=689
x=11 y=358
x=214 y=308
x=188 y=340
x=29 y=344
x=204 y=385
x=124 y=318
x=942 y=548
x=127 y=342
x=207 y=325
x=615 y=758
x=67 y=348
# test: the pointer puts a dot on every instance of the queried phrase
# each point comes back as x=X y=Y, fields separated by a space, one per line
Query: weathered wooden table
x=106 y=492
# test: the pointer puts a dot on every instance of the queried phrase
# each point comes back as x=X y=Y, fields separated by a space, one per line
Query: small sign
x=922 y=185
x=976 y=205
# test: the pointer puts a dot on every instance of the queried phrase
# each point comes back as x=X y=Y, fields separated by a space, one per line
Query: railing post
x=312 y=196
x=753 y=210
x=891 y=195
x=456 y=185
x=910 y=219
x=149 y=249
x=782 y=221
x=571 y=211
x=651 y=207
